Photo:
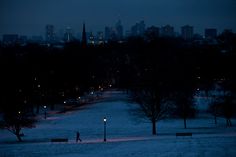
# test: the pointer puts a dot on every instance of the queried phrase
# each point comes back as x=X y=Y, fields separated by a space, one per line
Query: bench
x=59 y=140
x=184 y=134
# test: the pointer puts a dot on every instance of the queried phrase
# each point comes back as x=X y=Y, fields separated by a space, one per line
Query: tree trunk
x=185 y=124
x=19 y=137
x=154 y=131
x=215 y=120
x=228 y=122
x=17 y=133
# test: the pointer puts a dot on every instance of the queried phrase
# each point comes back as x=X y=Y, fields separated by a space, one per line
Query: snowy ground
x=127 y=135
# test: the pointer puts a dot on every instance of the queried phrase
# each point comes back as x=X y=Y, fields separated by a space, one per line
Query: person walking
x=78 y=137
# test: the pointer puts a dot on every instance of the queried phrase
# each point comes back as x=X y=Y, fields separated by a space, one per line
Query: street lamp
x=19 y=115
x=105 y=122
x=45 y=113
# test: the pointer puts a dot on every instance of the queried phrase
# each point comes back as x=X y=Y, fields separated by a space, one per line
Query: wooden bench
x=184 y=134
x=59 y=140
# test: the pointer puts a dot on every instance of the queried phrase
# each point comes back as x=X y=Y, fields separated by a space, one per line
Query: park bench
x=184 y=134
x=59 y=140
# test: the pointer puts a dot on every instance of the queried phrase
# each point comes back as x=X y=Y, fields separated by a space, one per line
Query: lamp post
x=19 y=116
x=105 y=122
x=45 y=111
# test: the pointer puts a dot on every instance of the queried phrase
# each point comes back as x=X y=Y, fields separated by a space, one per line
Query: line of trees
x=163 y=75
x=168 y=75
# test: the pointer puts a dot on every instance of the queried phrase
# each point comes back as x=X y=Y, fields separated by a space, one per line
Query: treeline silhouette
x=155 y=70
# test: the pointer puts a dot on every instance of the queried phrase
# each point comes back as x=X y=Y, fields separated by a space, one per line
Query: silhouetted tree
x=14 y=121
x=153 y=105
x=185 y=107
x=214 y=109
x=228 y=109
x=16 y=112
x=183 y=87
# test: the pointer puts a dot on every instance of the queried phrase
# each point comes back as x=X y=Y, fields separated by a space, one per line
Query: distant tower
x=9 y=39
x=141 y=29
x=210 y=33
x=50 y=33
x=68 y=36
x=138 y=29
x=84 y=38
x=91 y=39
x=152 y=33
x=119 y=30
x=107 y=33
x=100 y=38
x=167 y=31
x=187 y=32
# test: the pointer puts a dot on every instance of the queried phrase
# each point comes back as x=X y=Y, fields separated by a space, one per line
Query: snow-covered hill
x=127 y=135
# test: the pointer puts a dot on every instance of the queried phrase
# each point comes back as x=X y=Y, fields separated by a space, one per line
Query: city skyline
x=29 y=17
x=60 y=33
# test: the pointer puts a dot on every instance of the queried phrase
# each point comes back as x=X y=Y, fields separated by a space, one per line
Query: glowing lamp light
x=105 y=130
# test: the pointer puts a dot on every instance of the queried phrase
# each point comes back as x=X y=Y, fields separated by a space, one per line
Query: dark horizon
x=27 y=17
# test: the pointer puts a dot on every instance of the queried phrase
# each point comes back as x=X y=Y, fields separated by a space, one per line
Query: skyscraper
x=152 y=33
x=110 y=34
x=100 y=38
x=167 y=31
x=119 y=30
x=91 y=39
x=138 y=29
x=50 y=34
x=107 y=33
x=9 y=39
x=210 y=33
x=68 y=36
x=187 y=32
x=141 y=28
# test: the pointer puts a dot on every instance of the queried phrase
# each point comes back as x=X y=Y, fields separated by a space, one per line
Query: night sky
x=29 y=17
